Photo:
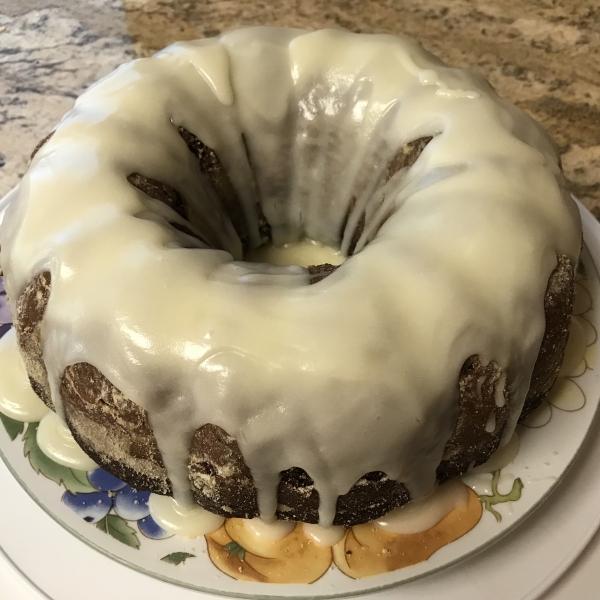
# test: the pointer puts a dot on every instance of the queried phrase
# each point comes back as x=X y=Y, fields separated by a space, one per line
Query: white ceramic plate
x=546 y=453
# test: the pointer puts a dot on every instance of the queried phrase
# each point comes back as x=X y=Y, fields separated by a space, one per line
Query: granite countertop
x=544 y=55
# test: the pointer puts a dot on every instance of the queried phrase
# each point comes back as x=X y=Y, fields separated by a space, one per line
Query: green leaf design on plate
x=13 y=428
x=73 y=480
x=176 y=558
x=118 y=528
x=489 y=501
x=235 y=549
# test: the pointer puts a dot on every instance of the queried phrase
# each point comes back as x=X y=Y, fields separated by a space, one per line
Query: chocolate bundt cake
x=324 y=393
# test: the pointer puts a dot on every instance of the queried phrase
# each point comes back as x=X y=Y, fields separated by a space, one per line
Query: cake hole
x=304 y=253
x=323 y=260
x=360 y=223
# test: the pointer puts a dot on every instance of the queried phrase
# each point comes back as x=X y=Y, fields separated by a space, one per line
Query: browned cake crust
x=40 y=144
x=558 y=308
x=404 y=158
x=222 y=483
x=318 y=272
x=117 y=434
x=111 y=429
x=480 y=422
x=31 y=306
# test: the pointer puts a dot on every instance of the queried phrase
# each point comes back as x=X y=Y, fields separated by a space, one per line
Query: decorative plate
x=115 y=519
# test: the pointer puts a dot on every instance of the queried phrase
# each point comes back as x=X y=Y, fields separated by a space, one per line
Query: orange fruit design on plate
x=295 y=559
x=364 y=551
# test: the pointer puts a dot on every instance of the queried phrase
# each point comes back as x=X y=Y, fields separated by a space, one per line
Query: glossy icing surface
x=303 y=253
x=501 y=458
x=424 y=512
x=56 y=442
x=357 y=373
x=187 y=521
x=269 y=532
x=17 y=400
x=324 y=536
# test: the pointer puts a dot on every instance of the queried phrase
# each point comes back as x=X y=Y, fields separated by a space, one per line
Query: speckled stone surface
x=544 y=55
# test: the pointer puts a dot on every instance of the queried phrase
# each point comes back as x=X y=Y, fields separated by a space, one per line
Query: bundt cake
x=316 y=393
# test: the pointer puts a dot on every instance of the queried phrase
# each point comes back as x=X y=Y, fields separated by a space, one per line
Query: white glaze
x=303 y=253
x=17 y=400
x=269 y=532
x=501 y=458
x=323 y=536
x=424 y=512
x=499 y=397
x=490 y=426
x=56 y=442
x=575 y=350
x=356 y=373
x=187 y=521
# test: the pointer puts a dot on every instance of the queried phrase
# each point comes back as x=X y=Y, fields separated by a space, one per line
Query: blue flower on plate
x=5 y=314
x=114 y=494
